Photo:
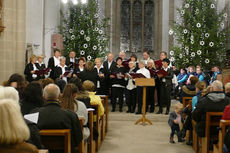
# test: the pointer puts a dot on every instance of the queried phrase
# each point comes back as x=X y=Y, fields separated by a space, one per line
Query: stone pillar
x=165 y=24
x=131 y=25
x=143 y=25
x=171 y=22
x=12 y=40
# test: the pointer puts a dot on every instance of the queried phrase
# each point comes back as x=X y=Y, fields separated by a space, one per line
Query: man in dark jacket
x=215 y=101
x=52 y=116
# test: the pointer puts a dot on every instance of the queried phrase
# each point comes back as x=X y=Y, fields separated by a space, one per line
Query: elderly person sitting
x=214 y=101
x=52 y=116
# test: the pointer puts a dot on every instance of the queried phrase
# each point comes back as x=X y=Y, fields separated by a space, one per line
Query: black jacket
x=42 y=67
x=120 y=81
x=168 y=78
x=212 y=102
x=108 y=70
x=172 y=117
x=88 y=75
x=70 y=64
x=52 y=116
x=227 y=139
x=27 y=107
x=101 y=90
x=187 y=91
x=27 y=72
x=51 y=65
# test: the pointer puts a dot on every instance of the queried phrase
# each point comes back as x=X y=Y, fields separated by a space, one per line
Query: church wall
x=12 y=40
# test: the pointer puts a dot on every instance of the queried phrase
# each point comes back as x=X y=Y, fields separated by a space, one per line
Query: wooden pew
x=106 y=107
x=82 y=148
x=195 y=137
x=212 y=119
x=56 y=139
x=43 y=151
x=103 y=121
x=98 y=126
x=187 y=101
x=92 y=145
x=218 y=148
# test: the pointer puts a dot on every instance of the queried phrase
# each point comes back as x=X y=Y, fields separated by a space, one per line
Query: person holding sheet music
x=118 y=84
x=146 y=73
x=71 y=61
x=165 y=86
x=53 y=62
x=30 y=69
x=151 y=90
x=100 y=71
x=79 y=68
x=40 y=66
x=146 y=57
x=131 y=88
x=61 y=71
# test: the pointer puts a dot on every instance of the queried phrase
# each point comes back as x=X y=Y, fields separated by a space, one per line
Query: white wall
x=42 y=20
x=165 y=25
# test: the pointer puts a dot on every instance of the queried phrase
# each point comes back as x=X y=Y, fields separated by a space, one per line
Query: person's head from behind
x=227 y=87
x=141 y=64
x=163 y=55
x=193 y=80
x=16 y=80
x=88 y=85
x=89 y=66
x=33 y=93
x=9 y=93
x=60 y=83
x=216 y=86
x=77 y=82
x=57 y=53
x=13 y=128
x=69 y=95
x=146 y=55
x=200 y=86
x=47 y=81
x=178 y=108
x=51 y=92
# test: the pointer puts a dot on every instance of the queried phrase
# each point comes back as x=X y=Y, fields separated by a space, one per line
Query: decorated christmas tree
x=84 y=29
x=200 y=34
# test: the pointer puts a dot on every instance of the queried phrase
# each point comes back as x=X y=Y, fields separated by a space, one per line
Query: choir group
x=116 y=77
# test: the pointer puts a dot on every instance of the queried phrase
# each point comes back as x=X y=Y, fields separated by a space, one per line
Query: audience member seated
x=199 y=74
x=191 y=72
x=60 y=83
x=227 y=89
x=46 y=81
x=11 y=93
x=52 y=116
x=32 y=97
x=181 y=79
x=214 y=101
x=68 y=101
x=13 y=129
x=216 y=71
x=226 y=115
x=189 y=90
x=94 y=99
x=18 y=82
x=82 y=95
x=200 y=91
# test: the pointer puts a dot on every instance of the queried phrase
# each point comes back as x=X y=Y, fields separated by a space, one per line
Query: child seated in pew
x=94 y=99
x=175 y=118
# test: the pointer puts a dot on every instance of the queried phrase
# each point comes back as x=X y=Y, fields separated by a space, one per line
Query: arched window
x=137 y=25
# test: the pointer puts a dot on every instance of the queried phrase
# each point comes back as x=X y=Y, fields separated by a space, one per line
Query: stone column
x=143 y=25
x=131 y=25
x=171 y=22
x=12 y=40
x=157 y=28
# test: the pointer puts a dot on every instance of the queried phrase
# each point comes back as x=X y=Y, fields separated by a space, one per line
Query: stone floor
x=126 y=137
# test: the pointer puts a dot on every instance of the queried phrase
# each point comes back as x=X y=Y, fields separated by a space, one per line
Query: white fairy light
x=96 y=29
x=193 y=54
x=72 y=37
x=89 y=57
x=212 y=6
x=85 y=46
x=211 y=44
x=171 y=52
x=70 y=30
x=171 y=32
x=202 y=43
x=82 y=32
x=198 y=25
x=94 y=47
x=100 y=32
x=82 y=52
x=207 y=61
x=87 y=38
x=197 y=11
x=206 y=35
x=186 y=5
x=225 y=15
x=198 y=52
x=186 y=48
x=185 y=31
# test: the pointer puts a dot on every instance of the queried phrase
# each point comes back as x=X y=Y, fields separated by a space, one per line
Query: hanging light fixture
x=64 y=1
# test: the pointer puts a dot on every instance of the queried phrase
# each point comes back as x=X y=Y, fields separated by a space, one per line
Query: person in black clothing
x=88 y=73
x=32 y=97
x=40 y=65
x=226 y=148
x=118 y=84
x=109 y=66
x=53 y=62
x=52 y=116
x=71 y=61
x=30 y=70
x=165 y=87
x=100 y=71
x=79 y=68
x=214 y=101
x=60 y=69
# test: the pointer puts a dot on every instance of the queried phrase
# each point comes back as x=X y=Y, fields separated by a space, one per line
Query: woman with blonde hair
x=200 y=91
x=30 y=69
x=68 y=101
x=100 y=71
x=13 y=129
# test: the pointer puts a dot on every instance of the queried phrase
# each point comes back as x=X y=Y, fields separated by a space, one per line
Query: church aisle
x=126 y=137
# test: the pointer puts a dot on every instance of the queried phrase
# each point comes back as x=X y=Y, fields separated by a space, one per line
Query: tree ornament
x=171 y=32
x=207 y=61
x=212 y=6
x=186 y=5
x=89 y=57
x=186 y=48
x=225 y=15
x=172 y=59
x=94 y=47
x=211 y=44
x=96 y=15
x=82 y=52
x=70 y=30
x=171 y=52
x=198 y=52
x=198 y=25
x=100 y=32
x=185 y=31
x=180 y=55
x=82 y=32
x=202 y=43
x=182 y=12
x=72 y=37
x=87 y=38
x=197 y=11
x=193 y=54
x=85 y=46
x=206 y=35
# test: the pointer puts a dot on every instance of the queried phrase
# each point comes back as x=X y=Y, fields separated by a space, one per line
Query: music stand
x=144 y=82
